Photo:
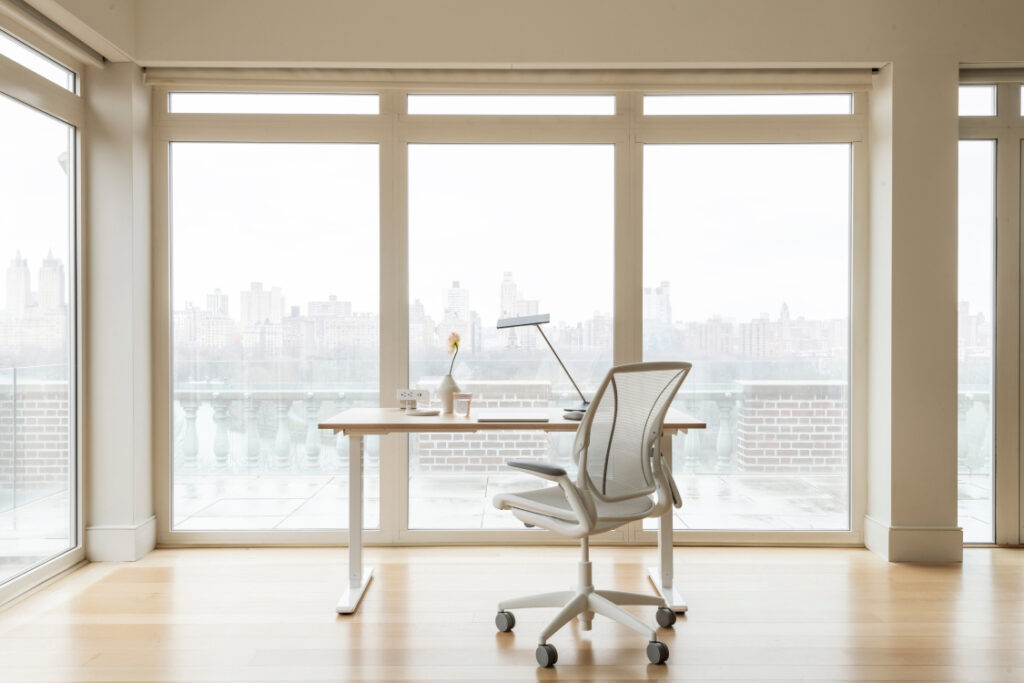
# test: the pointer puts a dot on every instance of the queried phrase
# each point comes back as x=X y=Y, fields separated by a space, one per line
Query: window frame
x=394 y=129
x=1006 y=129
x=37 y=92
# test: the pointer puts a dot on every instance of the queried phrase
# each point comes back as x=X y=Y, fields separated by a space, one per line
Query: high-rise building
x=217 y=303
x=332 y=308
x=19 y=287
x=658 y=304
x=456 y=302
x=260 y=306
x=51 y=284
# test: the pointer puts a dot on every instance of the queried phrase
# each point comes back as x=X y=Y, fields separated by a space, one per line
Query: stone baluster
x=724 y=443
x=252 y=432
x=691 y=447
x=283 y=440
x=963 y=403
x=312 y=432
x=190 y=440
x=221 y=443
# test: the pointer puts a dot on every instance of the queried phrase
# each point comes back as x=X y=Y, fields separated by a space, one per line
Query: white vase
x=446 y=391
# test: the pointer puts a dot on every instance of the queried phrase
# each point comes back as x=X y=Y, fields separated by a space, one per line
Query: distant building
x=332 y=308
x=259 y=306
x=217 y=303
x=19 y=287
x=51 y=285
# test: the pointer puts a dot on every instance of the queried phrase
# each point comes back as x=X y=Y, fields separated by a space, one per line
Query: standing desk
x=357 y=423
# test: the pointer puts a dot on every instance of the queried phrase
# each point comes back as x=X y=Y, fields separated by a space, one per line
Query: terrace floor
x=33 y=532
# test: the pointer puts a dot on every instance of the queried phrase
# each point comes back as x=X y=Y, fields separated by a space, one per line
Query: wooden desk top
x=394 y=420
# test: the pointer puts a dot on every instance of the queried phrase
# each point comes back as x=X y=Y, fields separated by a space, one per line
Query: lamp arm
x=584 y=400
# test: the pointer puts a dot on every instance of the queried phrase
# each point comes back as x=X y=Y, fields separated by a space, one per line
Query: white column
x=912 y=335
x=120 y=524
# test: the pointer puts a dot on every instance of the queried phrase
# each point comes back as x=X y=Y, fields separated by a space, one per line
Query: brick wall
x=484 y=451
x=792 y=427
x=43 y=422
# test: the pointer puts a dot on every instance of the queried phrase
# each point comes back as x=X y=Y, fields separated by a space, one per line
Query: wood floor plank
x=756 y=614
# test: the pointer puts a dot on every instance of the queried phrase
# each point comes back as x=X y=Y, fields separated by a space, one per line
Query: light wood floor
x=755 y=614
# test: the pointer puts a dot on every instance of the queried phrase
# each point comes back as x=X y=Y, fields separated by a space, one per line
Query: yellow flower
x=453 y=342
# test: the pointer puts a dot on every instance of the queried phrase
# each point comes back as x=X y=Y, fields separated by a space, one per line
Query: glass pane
x=977 y=100
x=746 y=274
x=29 y=58
x=514 y=105
x=718 y=105
x=975 y=287
x=37 y=408
x=276 y=328
x=498 y=231
x=271 y=103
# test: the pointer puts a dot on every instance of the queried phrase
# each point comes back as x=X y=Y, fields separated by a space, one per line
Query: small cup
x=462 y=402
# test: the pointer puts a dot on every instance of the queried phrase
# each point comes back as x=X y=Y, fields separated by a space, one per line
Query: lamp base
x=582 y=407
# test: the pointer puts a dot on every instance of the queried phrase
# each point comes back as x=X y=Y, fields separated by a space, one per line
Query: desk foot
x=671 y=595
x=349 y=602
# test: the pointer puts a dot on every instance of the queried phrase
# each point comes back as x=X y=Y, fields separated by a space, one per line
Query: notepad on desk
x=513 y=416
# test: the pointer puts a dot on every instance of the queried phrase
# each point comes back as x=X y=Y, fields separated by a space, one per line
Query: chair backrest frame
x=641 y=451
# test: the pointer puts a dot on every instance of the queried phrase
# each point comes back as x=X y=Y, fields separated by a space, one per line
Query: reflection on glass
x=977 y=100
x=746 y=275
x=271 y=103
x=724 y=105
x=37 y=446
x=499 y=231
x=275 y=328
x=975 y=287
x=513 y=105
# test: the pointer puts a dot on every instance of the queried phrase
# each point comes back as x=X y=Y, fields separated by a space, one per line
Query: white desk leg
x=662 y=576
x=358 y=576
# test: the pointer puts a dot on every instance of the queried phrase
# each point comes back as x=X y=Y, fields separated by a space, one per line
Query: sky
x=730 y=226
x=34 y=188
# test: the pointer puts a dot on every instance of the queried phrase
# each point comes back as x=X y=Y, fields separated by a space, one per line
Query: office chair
x=619 y=468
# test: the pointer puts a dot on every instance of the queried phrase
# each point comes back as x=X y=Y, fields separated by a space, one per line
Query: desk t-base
x=358 y=575
x=662 y=575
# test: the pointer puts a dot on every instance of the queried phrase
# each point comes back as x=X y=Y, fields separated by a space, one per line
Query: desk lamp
x=537 y=321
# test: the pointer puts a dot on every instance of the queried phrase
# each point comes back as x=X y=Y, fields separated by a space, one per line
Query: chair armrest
x=586 y=515
x=539 y=469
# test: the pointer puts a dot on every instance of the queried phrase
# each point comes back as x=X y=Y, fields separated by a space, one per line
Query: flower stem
x=454 y=356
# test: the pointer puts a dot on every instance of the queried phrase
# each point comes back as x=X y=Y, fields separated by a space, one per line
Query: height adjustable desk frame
x=357 y=423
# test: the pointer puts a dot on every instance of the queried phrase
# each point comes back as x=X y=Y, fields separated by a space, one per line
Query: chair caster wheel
x=666 y=617
x=657 y=652
x=505 y=621
x=547 y=655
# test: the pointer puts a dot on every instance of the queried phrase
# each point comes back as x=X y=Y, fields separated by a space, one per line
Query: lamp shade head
x=524 y=320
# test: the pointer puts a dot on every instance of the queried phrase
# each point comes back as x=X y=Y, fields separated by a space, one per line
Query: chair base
x=585 y=602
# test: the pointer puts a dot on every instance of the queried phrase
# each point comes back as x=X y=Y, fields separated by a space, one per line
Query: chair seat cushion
x=551 y=501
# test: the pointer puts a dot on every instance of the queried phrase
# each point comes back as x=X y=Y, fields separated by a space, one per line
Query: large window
x=500 y=231
x=275 y=326
x=747 y=275
x=655 y=224
x=975 y=341
x=37 y=342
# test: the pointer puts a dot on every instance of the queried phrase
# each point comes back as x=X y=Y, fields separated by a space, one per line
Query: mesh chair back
x=619 y=435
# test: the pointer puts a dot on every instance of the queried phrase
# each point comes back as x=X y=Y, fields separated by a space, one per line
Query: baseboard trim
x=120 y=543
x=898 y=543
